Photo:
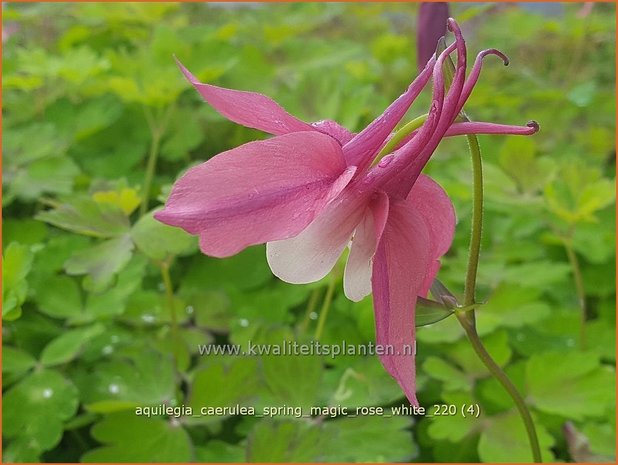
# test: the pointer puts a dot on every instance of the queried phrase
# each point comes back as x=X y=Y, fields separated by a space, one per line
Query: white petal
x=312 y=254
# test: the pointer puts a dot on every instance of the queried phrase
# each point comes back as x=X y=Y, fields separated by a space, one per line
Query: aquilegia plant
x=315 y=188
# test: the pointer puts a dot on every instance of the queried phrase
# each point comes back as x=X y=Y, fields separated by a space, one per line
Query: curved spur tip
x=496 y=52
x=534 y=125
x=505 y=59
x=452 y=25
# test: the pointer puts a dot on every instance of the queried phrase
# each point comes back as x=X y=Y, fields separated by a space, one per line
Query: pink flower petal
x=412 y=157
x=333 y=129
x=398 y=273
x=259 y=192
x=436 y=208
x=357 y=277
x=361 y=150
x=476 y=72
x=312 y=254
x=478 y=127
x=247 y=108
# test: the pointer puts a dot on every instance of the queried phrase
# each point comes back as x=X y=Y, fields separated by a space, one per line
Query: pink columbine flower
x=312 y=190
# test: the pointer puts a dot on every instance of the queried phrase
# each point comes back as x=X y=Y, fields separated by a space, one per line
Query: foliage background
x=92 y=327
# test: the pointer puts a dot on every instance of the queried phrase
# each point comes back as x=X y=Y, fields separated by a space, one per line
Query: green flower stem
x=406 y=130
x=150 y=171
x=157 y=129
x=169 y=296
x=328 y=298
x=311 y=305
x=477 y=220
x=467 y=319
x=467 y=322
x=579 y=288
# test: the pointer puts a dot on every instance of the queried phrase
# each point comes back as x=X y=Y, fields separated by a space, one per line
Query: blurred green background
x=104 y=308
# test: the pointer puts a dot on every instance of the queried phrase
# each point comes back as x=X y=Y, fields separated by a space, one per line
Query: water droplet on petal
x=385 y=161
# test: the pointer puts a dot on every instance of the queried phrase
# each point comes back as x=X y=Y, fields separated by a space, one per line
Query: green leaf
x=582 y=94
x=80 y=64
x=283 y=441
x=224 y=386
x=538 y=274
x=115 y=151
x=447 y=330
x=25 y=231
x=87 y=119
x=37 y=406
x=493 y=396
x=453 y=428
x=152 y=308
x=16 y=361
x=597 y=241
x=219 y=451
x=429 y=312
x=292 y=380
x=249 y=305
x=47 y=176
x=131 y=438
x=511 y=306
x=113 y=301
x=212 y=309
x=160 y=241
x=452 y=378
x=185 y=134
x=504 y=440
x=579 y=192
x=601 y=337
x=368 y=439
x=27 y=143
x=361 y=382
x=518 y=159
x=59 y=297
x=88 y=217
x=243 y=271
x=102 y=261
x=147 y=378
x=66 y=347
x=125 y=198
x=496 y=343
x=571 y=384
x=21 y=450
x=16 y=264
x=602 y=438
x=50 y=259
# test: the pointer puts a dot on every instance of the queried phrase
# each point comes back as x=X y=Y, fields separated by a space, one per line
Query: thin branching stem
x=467 y=319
